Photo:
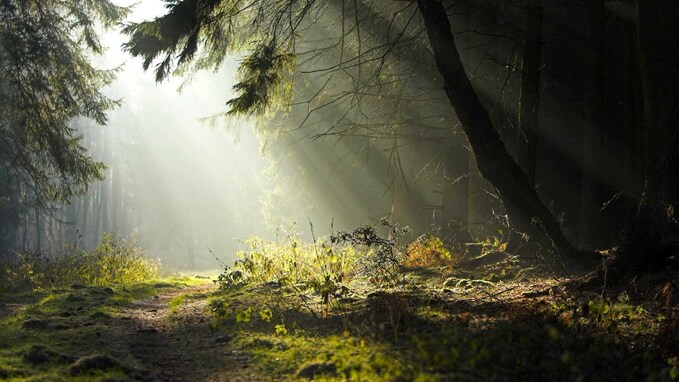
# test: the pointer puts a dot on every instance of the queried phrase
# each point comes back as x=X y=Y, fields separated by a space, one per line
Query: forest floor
x=437 y=325
x=150 y=331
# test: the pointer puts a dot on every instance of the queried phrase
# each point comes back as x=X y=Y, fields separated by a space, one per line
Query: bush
x=323 y=265
x=429 y=251
x=114 y=260
x=289 y=263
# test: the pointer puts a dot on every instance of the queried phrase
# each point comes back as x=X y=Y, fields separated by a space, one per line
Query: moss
x=44 y=336
x=176 y=303
x=478 y=332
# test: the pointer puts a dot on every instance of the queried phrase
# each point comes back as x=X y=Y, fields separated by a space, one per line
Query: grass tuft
x=114 y=260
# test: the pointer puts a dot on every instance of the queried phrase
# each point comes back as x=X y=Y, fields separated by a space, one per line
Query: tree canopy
x=48 y=80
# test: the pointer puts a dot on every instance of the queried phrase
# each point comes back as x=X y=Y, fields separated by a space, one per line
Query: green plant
x=281 y=330
x=114 y=260
x=428 y=251
x=320 y=265
x=243 y=315
x=608 y=314
x=176 y=303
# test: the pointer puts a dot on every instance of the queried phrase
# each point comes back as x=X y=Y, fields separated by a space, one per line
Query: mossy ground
x=438 y=325
x=44 y=335
x=443 y=326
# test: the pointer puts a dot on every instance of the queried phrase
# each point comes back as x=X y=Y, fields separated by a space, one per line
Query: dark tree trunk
x=653 y=236
x=593 y=158
x=98 y=203
x=84 y=215
x=455 y=205
x=527 y=137
x=526 y=211
x=38 y=230
x=633 y=104
x=405 y=206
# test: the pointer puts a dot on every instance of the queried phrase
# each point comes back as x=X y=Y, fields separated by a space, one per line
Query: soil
x=177 y=345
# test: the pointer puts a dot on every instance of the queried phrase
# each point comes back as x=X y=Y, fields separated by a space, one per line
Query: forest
x=346 y=190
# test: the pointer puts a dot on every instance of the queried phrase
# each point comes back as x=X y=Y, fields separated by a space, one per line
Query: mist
x=350 y=145
x=191 y=187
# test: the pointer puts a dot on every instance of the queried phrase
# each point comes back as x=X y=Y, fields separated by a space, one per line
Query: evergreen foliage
x=217 y=27
x=263 y=74
x=47 y=80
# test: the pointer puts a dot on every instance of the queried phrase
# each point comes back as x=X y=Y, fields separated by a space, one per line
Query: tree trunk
x=404 y=207
x=527 y=134
x=454 y=206
x=633 y=103
x=593 y=158
x=526 y=211
x=38 y=230
x=653 y=236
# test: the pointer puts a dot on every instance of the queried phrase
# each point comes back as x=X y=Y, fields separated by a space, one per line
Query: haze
x=187 y=189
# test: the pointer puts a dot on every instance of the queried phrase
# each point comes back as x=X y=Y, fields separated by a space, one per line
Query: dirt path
x=176 y=344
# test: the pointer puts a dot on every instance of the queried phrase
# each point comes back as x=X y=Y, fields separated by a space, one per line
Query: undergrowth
x=364 y=252
x=363 y=305
x=113 y=260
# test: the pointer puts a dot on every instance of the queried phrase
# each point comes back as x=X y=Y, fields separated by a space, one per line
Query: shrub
x=114 y=260
x=428 y=251
x=324 y=264
x=289 y=263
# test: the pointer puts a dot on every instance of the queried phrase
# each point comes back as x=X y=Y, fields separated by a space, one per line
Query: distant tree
x=272 y=27
x=47 y=80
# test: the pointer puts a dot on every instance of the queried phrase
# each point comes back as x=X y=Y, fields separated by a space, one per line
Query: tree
x=593 y=155
x=525 y=209
x=653 y=237
x=222 y=26
x=46 y=81
x=528 y=134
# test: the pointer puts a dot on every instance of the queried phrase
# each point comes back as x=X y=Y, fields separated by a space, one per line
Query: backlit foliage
x=428 y=251
x=290 y=262
x=114 y=260
x=218 y=27
x=263 y=76
x=385 y=259
x=324 y=265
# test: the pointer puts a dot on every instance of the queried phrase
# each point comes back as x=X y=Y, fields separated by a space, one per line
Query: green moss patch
x=65 y=333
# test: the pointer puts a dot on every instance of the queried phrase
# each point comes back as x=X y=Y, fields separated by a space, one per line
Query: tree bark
x=652 y=239
x=526 y=211
x=527 y=134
